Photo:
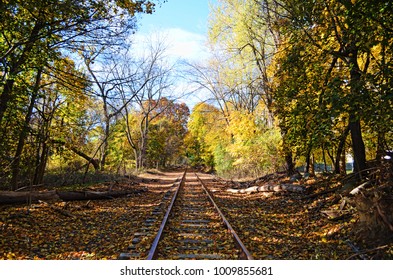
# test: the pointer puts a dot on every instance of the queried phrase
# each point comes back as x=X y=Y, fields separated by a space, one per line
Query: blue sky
x=189 y=15
x=183 y=24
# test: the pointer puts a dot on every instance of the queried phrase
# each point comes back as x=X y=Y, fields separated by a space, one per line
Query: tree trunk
x=340 y=151
x=143 y=142
x=42 y=159
x=5 y=97
x=105 y=147
x=107 y=133
x=343 y=163
x=381 y=147
x=308 y=157
x=359 y=150
x=93 y=161
x=290 y=167
x=325 y=169
x=136 y=157
x=331 y=157
x=312 y=165
x=24 y=132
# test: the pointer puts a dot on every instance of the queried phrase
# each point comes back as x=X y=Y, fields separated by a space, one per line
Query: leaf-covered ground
x=278 y=226
x=292 y=226
x=102 y=229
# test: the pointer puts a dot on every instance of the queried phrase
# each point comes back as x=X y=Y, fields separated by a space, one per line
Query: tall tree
x=33 y=37
x=43 y=27
x=346 y=33
x=167 y=133
x=246 y=30
x=152 y=80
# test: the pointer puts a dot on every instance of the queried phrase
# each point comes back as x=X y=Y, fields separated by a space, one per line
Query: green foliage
x=204 y=131
x=323 y=76
x=287 y=77
x=243 y=147
x=45 y=108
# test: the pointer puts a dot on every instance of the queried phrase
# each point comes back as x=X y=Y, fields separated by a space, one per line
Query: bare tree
x=152 y=80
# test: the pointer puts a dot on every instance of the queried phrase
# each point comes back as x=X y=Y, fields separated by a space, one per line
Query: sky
x=184 y=24
x=188 y=15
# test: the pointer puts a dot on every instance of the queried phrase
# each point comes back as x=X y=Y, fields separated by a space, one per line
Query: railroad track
x=194 y=227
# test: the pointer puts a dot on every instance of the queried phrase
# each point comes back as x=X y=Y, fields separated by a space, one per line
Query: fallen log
x=269 y=188
x=92 y=195
x=248 y=190
x=8 y=197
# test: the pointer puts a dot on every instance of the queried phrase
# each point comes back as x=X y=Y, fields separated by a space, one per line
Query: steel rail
x=245 y=253
x=153 y=248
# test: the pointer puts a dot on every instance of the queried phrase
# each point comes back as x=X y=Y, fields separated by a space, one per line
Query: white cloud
x=187 y=45
x=181 y=44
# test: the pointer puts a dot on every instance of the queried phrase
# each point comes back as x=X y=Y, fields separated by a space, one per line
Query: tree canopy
x=290 y=83
x=47 y=107
x=317 y=71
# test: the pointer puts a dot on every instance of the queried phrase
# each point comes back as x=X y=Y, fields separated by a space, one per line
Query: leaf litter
x=279 y=226
x=99 y=229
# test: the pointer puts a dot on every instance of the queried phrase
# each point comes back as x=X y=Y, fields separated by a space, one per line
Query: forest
x=295 y=87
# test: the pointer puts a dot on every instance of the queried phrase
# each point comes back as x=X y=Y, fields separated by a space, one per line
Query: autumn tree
x=41 y=28
x=206 y=128
x=345 y=36
x=107 y=75
x=152 y=80
x=167 y=132
x=33 y=37
x=246 y=31
x=55 y=113
x=242 y=29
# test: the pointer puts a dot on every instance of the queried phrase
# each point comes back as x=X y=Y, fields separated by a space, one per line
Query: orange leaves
x=283 y=226
x=101 y=231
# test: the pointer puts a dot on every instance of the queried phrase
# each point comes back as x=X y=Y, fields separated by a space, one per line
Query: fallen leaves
x=195 y=230
x=282 y=226
x=100 y=231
